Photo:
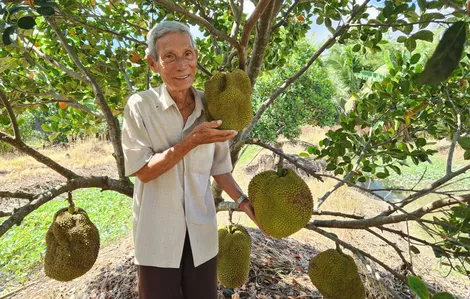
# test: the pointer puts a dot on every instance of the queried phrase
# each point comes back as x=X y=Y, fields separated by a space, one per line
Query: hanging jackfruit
x=228 y=98
x=233 y=260
x=335 y=275
x=282 y=204
x=73 y=242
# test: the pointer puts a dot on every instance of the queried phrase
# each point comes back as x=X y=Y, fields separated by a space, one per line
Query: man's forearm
x=162 y=162
x=229 y=185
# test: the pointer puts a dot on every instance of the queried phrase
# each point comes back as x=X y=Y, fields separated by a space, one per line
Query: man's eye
x=189 y=53
x=168 y=57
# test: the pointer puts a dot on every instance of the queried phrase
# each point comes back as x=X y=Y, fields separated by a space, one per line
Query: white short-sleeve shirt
x=181 y=197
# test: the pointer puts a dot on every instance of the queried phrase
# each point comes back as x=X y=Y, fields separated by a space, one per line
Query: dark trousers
x=187 y=282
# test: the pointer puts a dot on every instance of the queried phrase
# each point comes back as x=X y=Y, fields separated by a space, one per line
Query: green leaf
x=466 y=155
x=381 y=175
x=447 y=55
x=464 y=142
x=425 y=35
x=395 y=168
x=26 y=22
x=46 y=11
x=443 y=295
x=330 y=167
x=8 y=35
x=410 y=44
x=401 y=39
x=54 y=136
x=415 y=249
x=415 y=58
x=420 y=142
x=356 y=48
x=45 y=128
x=368 y=75
x=418 y=287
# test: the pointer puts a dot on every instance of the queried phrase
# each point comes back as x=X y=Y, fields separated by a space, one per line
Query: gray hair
x=160 y=30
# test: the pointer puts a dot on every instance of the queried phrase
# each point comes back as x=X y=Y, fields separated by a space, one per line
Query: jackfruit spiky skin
x=335 y=275
x=282 y=204
x=233 y=260
x=228 y=98
x=73 y=243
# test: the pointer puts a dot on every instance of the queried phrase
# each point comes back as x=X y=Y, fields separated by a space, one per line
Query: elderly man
x=173 y=151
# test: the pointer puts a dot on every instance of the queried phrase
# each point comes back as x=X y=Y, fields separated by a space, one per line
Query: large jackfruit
x=228 y=98
x=282 y=204
x=73 y=242
x=335 y=275
x=233 y=260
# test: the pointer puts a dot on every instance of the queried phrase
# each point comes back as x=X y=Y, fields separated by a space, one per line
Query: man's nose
x=181 y=63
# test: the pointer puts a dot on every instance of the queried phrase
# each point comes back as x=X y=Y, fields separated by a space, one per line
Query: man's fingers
x=215 y=123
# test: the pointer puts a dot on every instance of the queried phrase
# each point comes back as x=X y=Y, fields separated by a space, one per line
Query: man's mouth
x=182 y=77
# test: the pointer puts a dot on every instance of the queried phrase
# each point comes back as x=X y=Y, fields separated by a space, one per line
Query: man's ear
x=153 y=63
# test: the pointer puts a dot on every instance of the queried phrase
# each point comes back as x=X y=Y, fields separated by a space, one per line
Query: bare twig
x=393 y=245
x=237 y=12
x=455 y=138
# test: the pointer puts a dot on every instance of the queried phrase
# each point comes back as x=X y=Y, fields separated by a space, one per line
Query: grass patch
x=23 y=247
x=248 y=153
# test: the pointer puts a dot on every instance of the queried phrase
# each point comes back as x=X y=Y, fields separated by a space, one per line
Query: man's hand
x=246 y=207
x=207 y=133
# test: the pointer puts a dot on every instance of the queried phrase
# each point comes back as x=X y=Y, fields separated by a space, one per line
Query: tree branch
x=381 y=220
x=239 y=140
x=397 y=25
x=17 y=194
x=430 y=188
x=251 y=21
x=52 y=61
x=113 y=123
x=104 y=183
x=203 y=22
x=284 y=18
x=14 y=123
x=294 y=159
x=123 y=36
x=393 y=245
x=18 y=144
x=237 y=13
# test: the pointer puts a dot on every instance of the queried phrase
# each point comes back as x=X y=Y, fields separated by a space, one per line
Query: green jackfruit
x=335 y=275
x=228 y=98
x=73 y=242
x=233 y=260
x=282 y=204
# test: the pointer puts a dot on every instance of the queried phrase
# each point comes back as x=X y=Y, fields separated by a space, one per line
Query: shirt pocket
x=202 y=157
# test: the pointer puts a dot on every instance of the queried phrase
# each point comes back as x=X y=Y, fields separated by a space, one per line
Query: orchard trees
x=89 y=55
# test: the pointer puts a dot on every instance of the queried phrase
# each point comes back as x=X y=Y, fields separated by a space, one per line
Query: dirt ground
x=278 y=266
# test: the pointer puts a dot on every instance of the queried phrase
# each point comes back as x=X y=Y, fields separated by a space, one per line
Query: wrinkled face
x=177 y=61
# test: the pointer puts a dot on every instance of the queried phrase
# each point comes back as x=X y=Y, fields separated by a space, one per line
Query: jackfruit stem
x=280 y=169
x=71 y=208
